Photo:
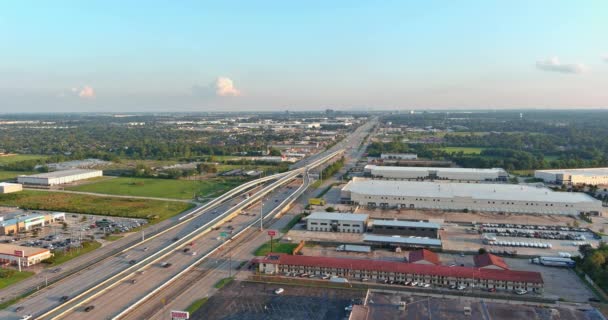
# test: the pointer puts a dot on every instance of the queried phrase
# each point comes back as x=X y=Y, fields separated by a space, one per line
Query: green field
x=153 y=210
x=9 y=175
x=223 y=282
x=161 y=188
x=20 y=157
x=197 y=304
x=15 y=277
x=277 y=247
x=465 y=150
x=63 y=257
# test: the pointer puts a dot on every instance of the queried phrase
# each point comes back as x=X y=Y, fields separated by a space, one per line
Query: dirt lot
x=252 y=301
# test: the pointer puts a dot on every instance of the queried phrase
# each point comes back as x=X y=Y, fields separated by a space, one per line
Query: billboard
x=20 y=253
x=180 y=315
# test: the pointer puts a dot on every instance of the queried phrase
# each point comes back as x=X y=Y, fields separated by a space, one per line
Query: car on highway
x=26 y=317
x=279 y=291
x=132 y=261
x=146 y=249
x=133 y=281
x=186 y=249
x=64 y=299
x=165 y=264
x=176 y=238
x=89 y=308
x=19 y=308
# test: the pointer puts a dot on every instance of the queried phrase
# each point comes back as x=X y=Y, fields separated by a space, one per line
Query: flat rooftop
x=590 y=172
x=478 y=191
x=416 y=241
x=9 y=249
x=61 y=173
x=401 y=223
x=338 y=216
x=438 y=169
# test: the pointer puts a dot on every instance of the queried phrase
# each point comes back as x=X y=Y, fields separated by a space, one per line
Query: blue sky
x=277 y=55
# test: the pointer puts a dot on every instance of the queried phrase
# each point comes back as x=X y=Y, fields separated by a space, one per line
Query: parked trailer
x=354 y=248
x=338 y=280
x=554 y=262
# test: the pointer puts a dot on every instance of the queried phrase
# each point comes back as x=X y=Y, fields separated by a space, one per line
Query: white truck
x=354 y=248
x=554 y=262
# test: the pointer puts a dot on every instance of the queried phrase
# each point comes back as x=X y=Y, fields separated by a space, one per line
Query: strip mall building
x=436 y=275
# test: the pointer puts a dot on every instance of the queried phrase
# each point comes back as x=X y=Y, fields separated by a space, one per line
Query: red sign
x=272 y=233
x=20 y=253
x=179 y=315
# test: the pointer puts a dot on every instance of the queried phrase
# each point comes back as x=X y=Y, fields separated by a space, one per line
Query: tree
x=482 y=251
x=330 y=209
x=274 y=152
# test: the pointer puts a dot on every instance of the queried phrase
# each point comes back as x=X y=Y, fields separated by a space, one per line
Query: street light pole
x=262 y=214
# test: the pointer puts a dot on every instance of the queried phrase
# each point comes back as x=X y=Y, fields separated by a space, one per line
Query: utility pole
x=143 y=237
x=262 y=214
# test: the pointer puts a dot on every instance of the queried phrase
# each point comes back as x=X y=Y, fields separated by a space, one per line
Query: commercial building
x=591 y=176
x=490 y=261
x=436 y=275
x=6 y=187
x=336 y=222
x=27 y=256
x=406 y=228
x=59 y=177
x=398 y=241
x=399 y=156
x=467 y=196
x=436 y=173
x=423 y=256
x=27 y=222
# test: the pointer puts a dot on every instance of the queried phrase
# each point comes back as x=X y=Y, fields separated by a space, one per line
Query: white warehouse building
x=59 y=177
x=467 y=196
x=436 y=173
x=591 y=176
x=336 y=222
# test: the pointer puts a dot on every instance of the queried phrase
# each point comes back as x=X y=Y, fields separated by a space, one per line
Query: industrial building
x=436 y=275
x=399 y=241
x=6 y=187
x=59 y=177
x=435 y=173
x=467 y=196
x=26 y=222
x=27 y=256
x=590 y=176
x=398 y=156
x=406 y=228
x=336 y=222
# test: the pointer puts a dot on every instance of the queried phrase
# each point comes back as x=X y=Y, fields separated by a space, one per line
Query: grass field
x=223 y=282
x=465 y=150
x=162 y=188
x=8 y=175
x=197 y=304
x=63 y=257
x=14 y=278
x=20 y=157
x=153 y=210
x=277 y=247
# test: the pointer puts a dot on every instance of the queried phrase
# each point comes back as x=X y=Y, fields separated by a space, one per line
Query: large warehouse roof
x=338 y=216
x=61 y=173
x=589 y=172
x=438 y=169
x=401 y=223
x=471 y=190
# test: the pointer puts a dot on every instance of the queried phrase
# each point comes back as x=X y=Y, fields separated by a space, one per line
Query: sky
x=82 y=56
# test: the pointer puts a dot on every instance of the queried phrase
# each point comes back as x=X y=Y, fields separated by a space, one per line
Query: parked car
x=492 y=290
x=279 y=291
x=520 y=292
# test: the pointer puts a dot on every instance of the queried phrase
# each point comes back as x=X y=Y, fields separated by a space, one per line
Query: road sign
x=180 y=315
x=272 y=233
x=20 y=253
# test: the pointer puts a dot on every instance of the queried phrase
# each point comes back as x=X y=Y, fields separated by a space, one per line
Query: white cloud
x=221 y=87
x=605 y=58
x=86 y=92
x=553 y=64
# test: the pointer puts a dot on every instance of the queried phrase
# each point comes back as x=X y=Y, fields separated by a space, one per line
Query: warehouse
x=59 y=177
x=467 y=196
x=436 y=275
x=436 y=173
x=336 y=222
x=406 y=228
x=590 y=176
x=398 y=156
x=12 y=254
x=6 y=187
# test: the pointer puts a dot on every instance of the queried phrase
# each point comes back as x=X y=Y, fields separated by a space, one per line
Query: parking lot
x=78 y=227
x=253 y=301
